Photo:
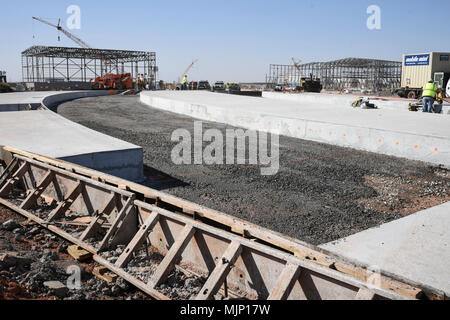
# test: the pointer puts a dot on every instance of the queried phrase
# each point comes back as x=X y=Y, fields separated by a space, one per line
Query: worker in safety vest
x=185 y=82
x=429 y=95
x=137 y=83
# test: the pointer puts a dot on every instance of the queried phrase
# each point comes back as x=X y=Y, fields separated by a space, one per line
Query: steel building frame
x=358 y=73
x=58 y=64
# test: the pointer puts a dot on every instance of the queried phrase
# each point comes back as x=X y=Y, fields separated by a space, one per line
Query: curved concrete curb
x=336 y=126
x=46 y=133
x=18 y=101
x=55 y=99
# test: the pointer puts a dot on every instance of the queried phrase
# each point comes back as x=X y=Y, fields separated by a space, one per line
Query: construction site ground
x=320 y=194
x=31 y=255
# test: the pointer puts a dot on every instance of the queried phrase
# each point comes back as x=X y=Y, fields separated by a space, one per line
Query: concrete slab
x=16 y=101
x=46 y=133
x=416 y=247
x=416 y=136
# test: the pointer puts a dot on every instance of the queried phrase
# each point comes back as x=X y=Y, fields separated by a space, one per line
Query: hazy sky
x=233 y=40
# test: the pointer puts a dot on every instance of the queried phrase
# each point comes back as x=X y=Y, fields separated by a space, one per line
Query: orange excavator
x=113 y=81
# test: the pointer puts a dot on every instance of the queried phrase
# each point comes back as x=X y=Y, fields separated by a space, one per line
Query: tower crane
x=75 y=39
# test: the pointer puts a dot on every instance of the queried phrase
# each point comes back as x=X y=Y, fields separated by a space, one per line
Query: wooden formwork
x=234 y=258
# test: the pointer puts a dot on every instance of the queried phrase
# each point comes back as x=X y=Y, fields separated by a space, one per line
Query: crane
x=296 y=64
x=184 y=73
x=106 y=61
x=285 y=78
x=75 y=39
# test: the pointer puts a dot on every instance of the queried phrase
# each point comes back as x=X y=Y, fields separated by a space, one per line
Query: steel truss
x=346 y=73
x=63 y=64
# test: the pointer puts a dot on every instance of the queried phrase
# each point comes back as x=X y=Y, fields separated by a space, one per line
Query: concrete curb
x=49 y=134
x=18 y=101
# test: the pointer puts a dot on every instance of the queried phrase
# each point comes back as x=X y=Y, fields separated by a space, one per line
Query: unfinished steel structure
x=66 y=64
x=369 y=74
x=230 y=258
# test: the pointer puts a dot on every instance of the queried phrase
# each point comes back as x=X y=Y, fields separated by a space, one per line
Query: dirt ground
x=31 y=255
x=320 y=194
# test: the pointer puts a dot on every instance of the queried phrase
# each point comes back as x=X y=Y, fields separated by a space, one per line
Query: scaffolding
x=64 y=64
x=349 y=73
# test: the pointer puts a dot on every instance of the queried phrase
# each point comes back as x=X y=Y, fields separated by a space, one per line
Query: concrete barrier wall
x=426 y=148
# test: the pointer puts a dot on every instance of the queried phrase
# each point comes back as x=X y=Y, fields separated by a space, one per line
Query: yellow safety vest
x=429 y=90
x=184 y=80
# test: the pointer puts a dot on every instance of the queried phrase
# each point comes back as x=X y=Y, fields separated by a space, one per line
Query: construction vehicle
x=310 y=84
x=113 y=81
x=4 y=86
x=418 y=69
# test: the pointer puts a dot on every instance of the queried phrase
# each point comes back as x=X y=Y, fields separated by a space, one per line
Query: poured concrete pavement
x=416 y=136
x=46 y=133
x=416 y=247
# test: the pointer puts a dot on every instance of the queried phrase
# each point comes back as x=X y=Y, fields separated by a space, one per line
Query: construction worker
x=138 y=83
x=429 y=95
x=185 y=82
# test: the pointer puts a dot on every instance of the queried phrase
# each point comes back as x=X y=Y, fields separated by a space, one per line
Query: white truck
x=418 y=69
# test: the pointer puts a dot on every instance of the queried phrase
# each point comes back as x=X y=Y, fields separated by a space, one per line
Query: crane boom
x=296 y=65
x=285 y=78
x=75 y=39
x=186 y=71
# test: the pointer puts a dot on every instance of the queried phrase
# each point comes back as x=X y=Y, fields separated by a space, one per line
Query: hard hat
x=430 y=81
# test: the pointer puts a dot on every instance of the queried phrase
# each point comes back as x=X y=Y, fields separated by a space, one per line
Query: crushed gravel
x=320 y=194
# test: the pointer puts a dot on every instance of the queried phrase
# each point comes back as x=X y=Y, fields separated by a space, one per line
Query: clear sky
x=234 y=40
